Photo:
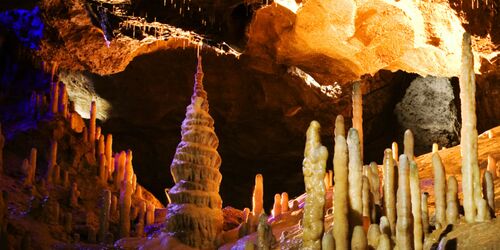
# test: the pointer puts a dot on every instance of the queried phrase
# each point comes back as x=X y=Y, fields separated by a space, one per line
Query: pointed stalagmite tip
x=198 y=90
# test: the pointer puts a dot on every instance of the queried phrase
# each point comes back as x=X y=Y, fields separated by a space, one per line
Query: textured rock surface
x=428 y=109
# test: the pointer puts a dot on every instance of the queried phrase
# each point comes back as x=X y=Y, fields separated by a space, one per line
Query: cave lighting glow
x=333 y=91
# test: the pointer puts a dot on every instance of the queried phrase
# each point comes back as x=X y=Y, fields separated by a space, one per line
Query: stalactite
x=195 y=214
x=355 y=179
x=439 y=190
x=389 y=190
x=409 y=145
x=358 y=241
x=425 y=213
x=404 y=219
x=373 y=236
x=104 y=211
x=468 y=134
x=339 y=126
x=340 y=198
x=52 y=160
x=314 y=168
x=416 y=208
x=452 y=200
x=492 y=166
x=357 y=114
x=284 y=202
x=277 y=205
x=258 y=196
x=489 y=192
x=395 y=151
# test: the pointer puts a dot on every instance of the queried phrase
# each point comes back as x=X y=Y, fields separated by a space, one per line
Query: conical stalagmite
x=314 y=168
x=284 y=202
x=195 y=214
x=277 y=205
x=258 y=196
x=471 y=186
x=452 y=200
x=340 y=197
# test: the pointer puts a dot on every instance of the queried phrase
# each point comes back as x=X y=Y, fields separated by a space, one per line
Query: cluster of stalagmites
x=194 y=215
x=122 y=202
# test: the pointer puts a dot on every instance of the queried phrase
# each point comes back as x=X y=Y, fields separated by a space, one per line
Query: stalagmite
x=358 y=241
x=483 y=213
x=284 y=202
x=92 y=124
x=488 y=191
x=468 y=135
x=2 y=145
x=365 y=194
x=355 y=179
x=277 y=205
x=409 y=145
x=384 y=242
x=75 y=194
x=101 y=146
x=98 y=132
x=314 y=168
x=425 y=213
x=109 y=154
x=103 y=177
x=54 y=97
x=385 y=227
x=105 y=207
x=264 y=234
x=340 y=198
x=139 y=227
x=339 y=126
x=357 y=114
x=195 y=214
x=150 y=214
x=452 y=200
x=327 y=241
x=63 y=100
x=439 y=190
x=52 y=160
x=258 y=196
x=492 y=166
x=120 y=161
x=373 y=236
x=435 y=148
x=395 y=151
x=389 y=190
x=416 y=208
x=404 y=220
x=126 y=193
x=374 y=179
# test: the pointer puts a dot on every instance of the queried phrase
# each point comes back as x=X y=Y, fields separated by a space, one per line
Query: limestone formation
x=109 y=154
x=327 y=242
x=52 y=160
x=404 y=218
x=384 y=242
x=395 y=151
x=409 y=145
x=425 y=213
x=284 y=202
x=358 y=241
x=339 y=126
x=119 y=173
x=126 y=191
x=355 y=179
x=104 y=210
x=74 y=196
x=54 y=97
x=492 y=166
x=277 y=205
x=373 y=236
x=195 y=214
x=357 y=113
x=92 y=125
x=340 y=198
x=439 y=190
x=139 y=227
x=103 y=175
x=374 y=180
x=264 y=234
x=389 y=190
x=366 y=197
x=416 y=209
x=452 y=200
x=489 y=192
x=258 y=196
x=150 y=214
x=314 y=168
x=471 y=186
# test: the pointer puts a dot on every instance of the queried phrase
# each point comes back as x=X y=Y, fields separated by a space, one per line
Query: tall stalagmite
x=195 y=214
x=314 y=168
x=471 y=186
x=340 y=199
x=357 y=113
x=355 y=179
x=389 y=190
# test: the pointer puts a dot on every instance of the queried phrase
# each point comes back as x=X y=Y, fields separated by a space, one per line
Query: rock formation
x=195 y=215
